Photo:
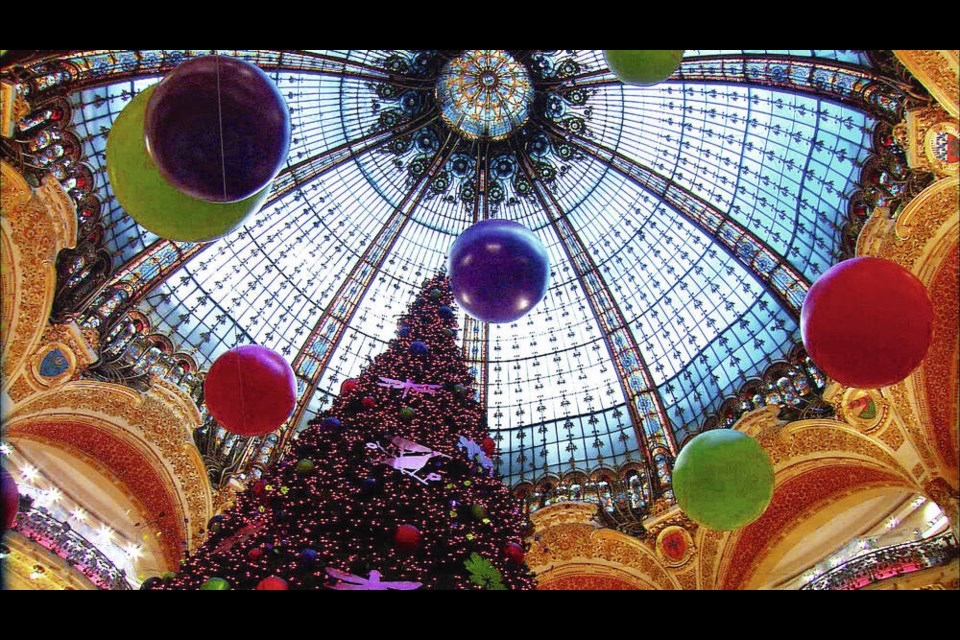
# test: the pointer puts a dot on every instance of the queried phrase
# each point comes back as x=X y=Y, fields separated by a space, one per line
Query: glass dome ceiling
x=684 y=222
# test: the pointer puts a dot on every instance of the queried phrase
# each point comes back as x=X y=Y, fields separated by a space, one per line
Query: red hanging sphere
x=489 y=446
x=514 y=552
x=407 y=538
x=368 y=403
x=349 y=386
x=250 y=390
x=273 y=583
x=867 y=323
x=255 y=553
x=11 y=500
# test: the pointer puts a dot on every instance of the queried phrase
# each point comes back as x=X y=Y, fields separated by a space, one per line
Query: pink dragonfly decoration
x=350 y=582
x=408 y=386
x=409 y=458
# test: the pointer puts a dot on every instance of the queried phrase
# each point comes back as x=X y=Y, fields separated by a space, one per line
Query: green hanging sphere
x=305 y=466
x=153 y=202
x=436 y=294
x=168 y=575
x=215 y=584
x=478 y=511
x=448 y=332
x=723 y=479
x=643 y=67
x=407 y=414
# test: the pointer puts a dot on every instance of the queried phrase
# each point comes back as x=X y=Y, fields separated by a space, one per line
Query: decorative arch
x=570 y=551
x=822 y=467
x=142 y=442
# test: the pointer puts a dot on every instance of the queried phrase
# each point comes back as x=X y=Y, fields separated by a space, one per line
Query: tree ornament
x=499 y=271
x=867 y=323
x=448 y=332
x=273 y=583
x=488 y=445
x=407 y=414
x=308 y=556
x=217 y=128
x=403 y=332
x=255 y=553
x=349 y=386
x=349 y=582
x=215 y=584
x=478 y=511
x=407 y=538
x=330 y=424
x=250 y=390
x=723 y=479
x=153 y=202
x=513 y=552
x=643 y=67
x=306 y=467
x=368 y=403
x=483 y=573
x=419 y=348
x=213 y=526
x=446 y=313
x=436 y=294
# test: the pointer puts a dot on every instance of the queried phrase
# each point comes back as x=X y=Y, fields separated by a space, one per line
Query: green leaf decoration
x=483 y=573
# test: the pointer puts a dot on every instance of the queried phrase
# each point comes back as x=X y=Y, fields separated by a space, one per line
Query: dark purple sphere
x=499 y=271
x=217 y=129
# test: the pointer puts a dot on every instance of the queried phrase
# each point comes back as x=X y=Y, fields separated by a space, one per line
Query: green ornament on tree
x=723 y=479
x=478 y=511
x=643 y=67
x=448 y=332
x=436 y=294
x=305 y=467
x=215 y=584
x=407 y=414
x=483 y=573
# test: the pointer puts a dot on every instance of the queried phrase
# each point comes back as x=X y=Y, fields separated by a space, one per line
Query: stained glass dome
x=684 y=222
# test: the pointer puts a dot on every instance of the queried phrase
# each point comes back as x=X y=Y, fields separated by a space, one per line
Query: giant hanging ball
x=215 y=584
x=218 y=129
x=499 y=271
x=250 y=390
x=155 y=203
x=643 y=67
x=723 y=479
x=11 y=500
x=867 y=323
x=273 y=583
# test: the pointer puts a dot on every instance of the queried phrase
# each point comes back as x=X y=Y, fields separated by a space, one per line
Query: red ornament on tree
x=513 y=552
x=407 y=538
x=867 y=323
x=349 y=386
x=489 y=446
x=11 y=500
x=368 y=403
x=255 y=553
x=250 y=390
x=273 y=583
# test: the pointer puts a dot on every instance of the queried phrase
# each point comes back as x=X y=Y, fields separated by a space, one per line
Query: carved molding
x=27 y=558
x=160 y=421
x=937 y=71
x=565 y=544
x=37 y=224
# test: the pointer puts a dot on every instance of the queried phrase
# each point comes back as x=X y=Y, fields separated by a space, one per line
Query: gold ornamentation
x=892 y=437
x=917 y=470
x=13 y=107
x=674 y=546
x=940 y=148
x=937 y=71
x=39 y=223
x=62 y=358
x=864 y=409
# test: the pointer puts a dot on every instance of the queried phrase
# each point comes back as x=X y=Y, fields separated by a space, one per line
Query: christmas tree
x=391 y=488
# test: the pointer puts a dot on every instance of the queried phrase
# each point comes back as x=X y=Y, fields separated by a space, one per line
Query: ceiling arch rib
x=644 y=405
x=771 y=270
x=146 y=271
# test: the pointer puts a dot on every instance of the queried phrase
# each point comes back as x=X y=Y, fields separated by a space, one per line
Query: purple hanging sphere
x=499 y=271
x=217 y=128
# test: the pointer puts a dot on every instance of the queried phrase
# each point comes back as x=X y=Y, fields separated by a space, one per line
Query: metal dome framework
x=684 y=222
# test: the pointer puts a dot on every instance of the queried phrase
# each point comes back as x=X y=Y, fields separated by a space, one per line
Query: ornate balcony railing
x=59 y=538
x=887 y=563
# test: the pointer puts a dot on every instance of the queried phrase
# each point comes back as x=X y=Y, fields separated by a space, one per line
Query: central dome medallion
x=485 y=94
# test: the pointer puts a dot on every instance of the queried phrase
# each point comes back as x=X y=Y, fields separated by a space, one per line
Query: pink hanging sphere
x=867 y=323
x=250 y=390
